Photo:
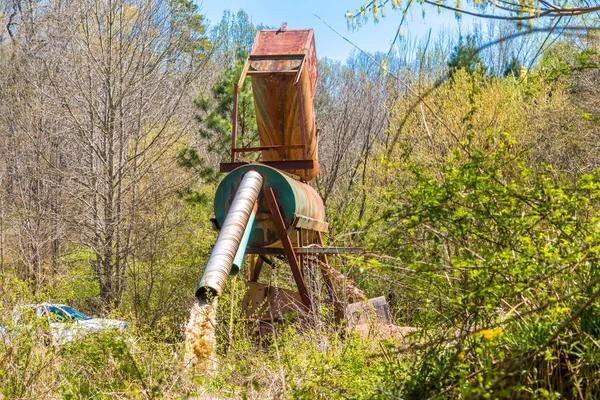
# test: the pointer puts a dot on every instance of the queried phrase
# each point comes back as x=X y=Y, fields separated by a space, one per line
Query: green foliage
x=188 y=26
x=189 y=159
x=101 y=366
x=19 y=365
x=563 y=62
x=513 y=68
x=234 y=35
x=12 y=290
x=528 y=11
x=214 y=114
x=78 y=286
x=296 y=359
x=491 y=220
x=504 y=260
x=90 y=358
x=215 y=125
x=166 y=277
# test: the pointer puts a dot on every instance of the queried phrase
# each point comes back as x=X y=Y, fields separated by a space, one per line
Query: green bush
x=503 y=262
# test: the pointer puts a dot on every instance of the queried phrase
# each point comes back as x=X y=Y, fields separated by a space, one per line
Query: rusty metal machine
x=268 y=208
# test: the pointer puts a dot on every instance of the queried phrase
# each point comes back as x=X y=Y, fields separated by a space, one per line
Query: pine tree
x=466 y=56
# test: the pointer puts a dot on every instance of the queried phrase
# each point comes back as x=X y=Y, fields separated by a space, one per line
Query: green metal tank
x=300 y=205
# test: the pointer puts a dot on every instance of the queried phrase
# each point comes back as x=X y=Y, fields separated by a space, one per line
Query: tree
x=32 y=197
x=513 y=68
x=104 y=101
x=547 y=17
x=466 y=56
x=234 y=36
x=350 y=104
x=215 y=114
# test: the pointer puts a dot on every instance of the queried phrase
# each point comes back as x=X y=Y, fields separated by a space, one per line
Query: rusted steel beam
x=256 y=270
x=244 y=72
x=309 y=39
x=329 y=282
x=283 y=165
x=300 y=68
x=287 y=247
x=300 y=258
x=265 y=260
x=249 y=161
x=277 y=72
x=302 y=123
x=235 y=108
x=259 y=148
x=234 y=119
x=282 y=56
x=264 y=250
x=307 y=250
x=328 y=250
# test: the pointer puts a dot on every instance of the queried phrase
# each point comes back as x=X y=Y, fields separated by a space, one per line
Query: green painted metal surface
x=293 y=197
x=238 y=260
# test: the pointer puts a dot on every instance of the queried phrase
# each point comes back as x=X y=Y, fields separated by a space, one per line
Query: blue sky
x=300 y=14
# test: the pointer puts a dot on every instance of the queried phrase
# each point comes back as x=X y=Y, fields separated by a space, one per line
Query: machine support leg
x=300 y=257
x=256 y=269
x=329 y=283
x=287 y=247
x=234 y=122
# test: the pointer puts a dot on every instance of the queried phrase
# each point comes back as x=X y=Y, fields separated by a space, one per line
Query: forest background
x=466 y=165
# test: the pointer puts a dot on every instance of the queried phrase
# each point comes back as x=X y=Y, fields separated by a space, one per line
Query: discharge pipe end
x=205 y=295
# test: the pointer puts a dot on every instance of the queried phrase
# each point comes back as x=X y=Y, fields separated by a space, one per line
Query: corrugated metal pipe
x=228 y=242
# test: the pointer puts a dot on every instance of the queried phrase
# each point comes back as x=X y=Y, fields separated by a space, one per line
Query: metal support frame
x=302 y=123
x=287 y=247
x=283 y=165
x=329 y=283
x=262 y=260
x=279 y=72
x=234 y=117
x=264 y=250
x=301 y=109
x=308 y=250
x=259 y=148
x=234 y=121
x=282 y=56
x=256 y=270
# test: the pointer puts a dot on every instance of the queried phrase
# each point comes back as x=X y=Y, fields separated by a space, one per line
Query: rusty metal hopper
x=283 y=67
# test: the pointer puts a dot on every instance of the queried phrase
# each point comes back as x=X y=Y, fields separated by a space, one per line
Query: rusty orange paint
x=274 y=58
